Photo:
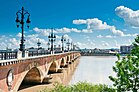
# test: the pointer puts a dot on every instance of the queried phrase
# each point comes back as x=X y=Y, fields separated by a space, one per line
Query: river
x=94 y=69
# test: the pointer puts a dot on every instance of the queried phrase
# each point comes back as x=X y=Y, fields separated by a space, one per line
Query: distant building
x=125 y=49
x=96 y=50
x=100 y=51
x=85 y=50
x=57 y=49
x=7 y=50
x=32 y=49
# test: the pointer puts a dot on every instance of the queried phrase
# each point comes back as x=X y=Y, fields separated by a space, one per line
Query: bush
x=80 y=87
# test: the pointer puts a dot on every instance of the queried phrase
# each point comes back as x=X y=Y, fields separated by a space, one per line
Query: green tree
x=127 y=70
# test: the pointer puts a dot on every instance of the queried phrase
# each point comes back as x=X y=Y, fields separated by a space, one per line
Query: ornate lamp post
x=39 y=44
x=52 y=38
x=20 y=22
x=62 y=40
x=71 y=46
x=48 y=45
x=68 y=44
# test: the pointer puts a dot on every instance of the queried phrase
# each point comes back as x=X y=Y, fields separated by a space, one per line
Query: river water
x=94 y=69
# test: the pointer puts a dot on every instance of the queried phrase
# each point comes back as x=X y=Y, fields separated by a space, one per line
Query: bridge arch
x=31 y=74
x=71 y=57
x=68 y=59
x=52 y=68
x=62 y=63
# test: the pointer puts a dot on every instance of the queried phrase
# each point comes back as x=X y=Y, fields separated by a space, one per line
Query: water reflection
x=94 y=69
x=66 y=74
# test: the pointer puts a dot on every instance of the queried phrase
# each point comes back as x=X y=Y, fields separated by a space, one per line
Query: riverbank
x=98 y=54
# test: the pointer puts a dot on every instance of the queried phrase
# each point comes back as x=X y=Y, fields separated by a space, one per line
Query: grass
x=80 y=87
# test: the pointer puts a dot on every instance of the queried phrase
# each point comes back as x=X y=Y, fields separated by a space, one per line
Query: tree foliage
x=127 y=70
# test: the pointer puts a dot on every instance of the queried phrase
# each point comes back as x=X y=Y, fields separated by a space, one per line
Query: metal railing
x=13 y=54
x=38 y=53
x=8 y=55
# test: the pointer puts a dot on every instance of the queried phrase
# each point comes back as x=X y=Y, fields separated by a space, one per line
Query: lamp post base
x=23 y=53
x=52 y=52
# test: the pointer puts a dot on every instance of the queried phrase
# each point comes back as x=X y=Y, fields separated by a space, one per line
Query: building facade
x=125 y=49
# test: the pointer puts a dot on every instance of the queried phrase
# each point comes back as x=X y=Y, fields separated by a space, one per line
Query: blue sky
x=88 y=23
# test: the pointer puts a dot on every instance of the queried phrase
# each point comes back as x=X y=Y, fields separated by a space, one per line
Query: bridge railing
x=38 y=53
x=8 y=55
x=14 y=54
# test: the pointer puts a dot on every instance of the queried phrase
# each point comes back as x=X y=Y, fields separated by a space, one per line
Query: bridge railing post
x=19 y=54
x=32 y=53
x=5 y=55
x=1 y=56
x=26 y=54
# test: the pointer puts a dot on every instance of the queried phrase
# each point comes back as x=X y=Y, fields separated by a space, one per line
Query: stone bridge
x=35 y=69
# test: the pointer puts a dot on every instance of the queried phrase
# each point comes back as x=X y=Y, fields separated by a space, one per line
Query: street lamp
x=38 y=44
x=62 y=40
x=52 y=38
x=20 y=22
x=48 y=45
x=71 y=46
x=68 y=44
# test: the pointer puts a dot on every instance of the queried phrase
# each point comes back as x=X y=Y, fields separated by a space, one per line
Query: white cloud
x=116 y=44
x=43 y=32
x=67 y=30
x=130 y=16
x=129 y=35
x=99 y=36
x=8 y=41
x=58 y=37
x=130 y=41
x=14 y=41
x=19 y=35
x=80 y=21
x=81 y=45
x=116 y=32
x=88 y=44
x=31 y=41
x=105 y=43
x=96 y=24
x=67 y=37
x=32 y=36
x=109 y=36
x=46 y=32
x=87 y=31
